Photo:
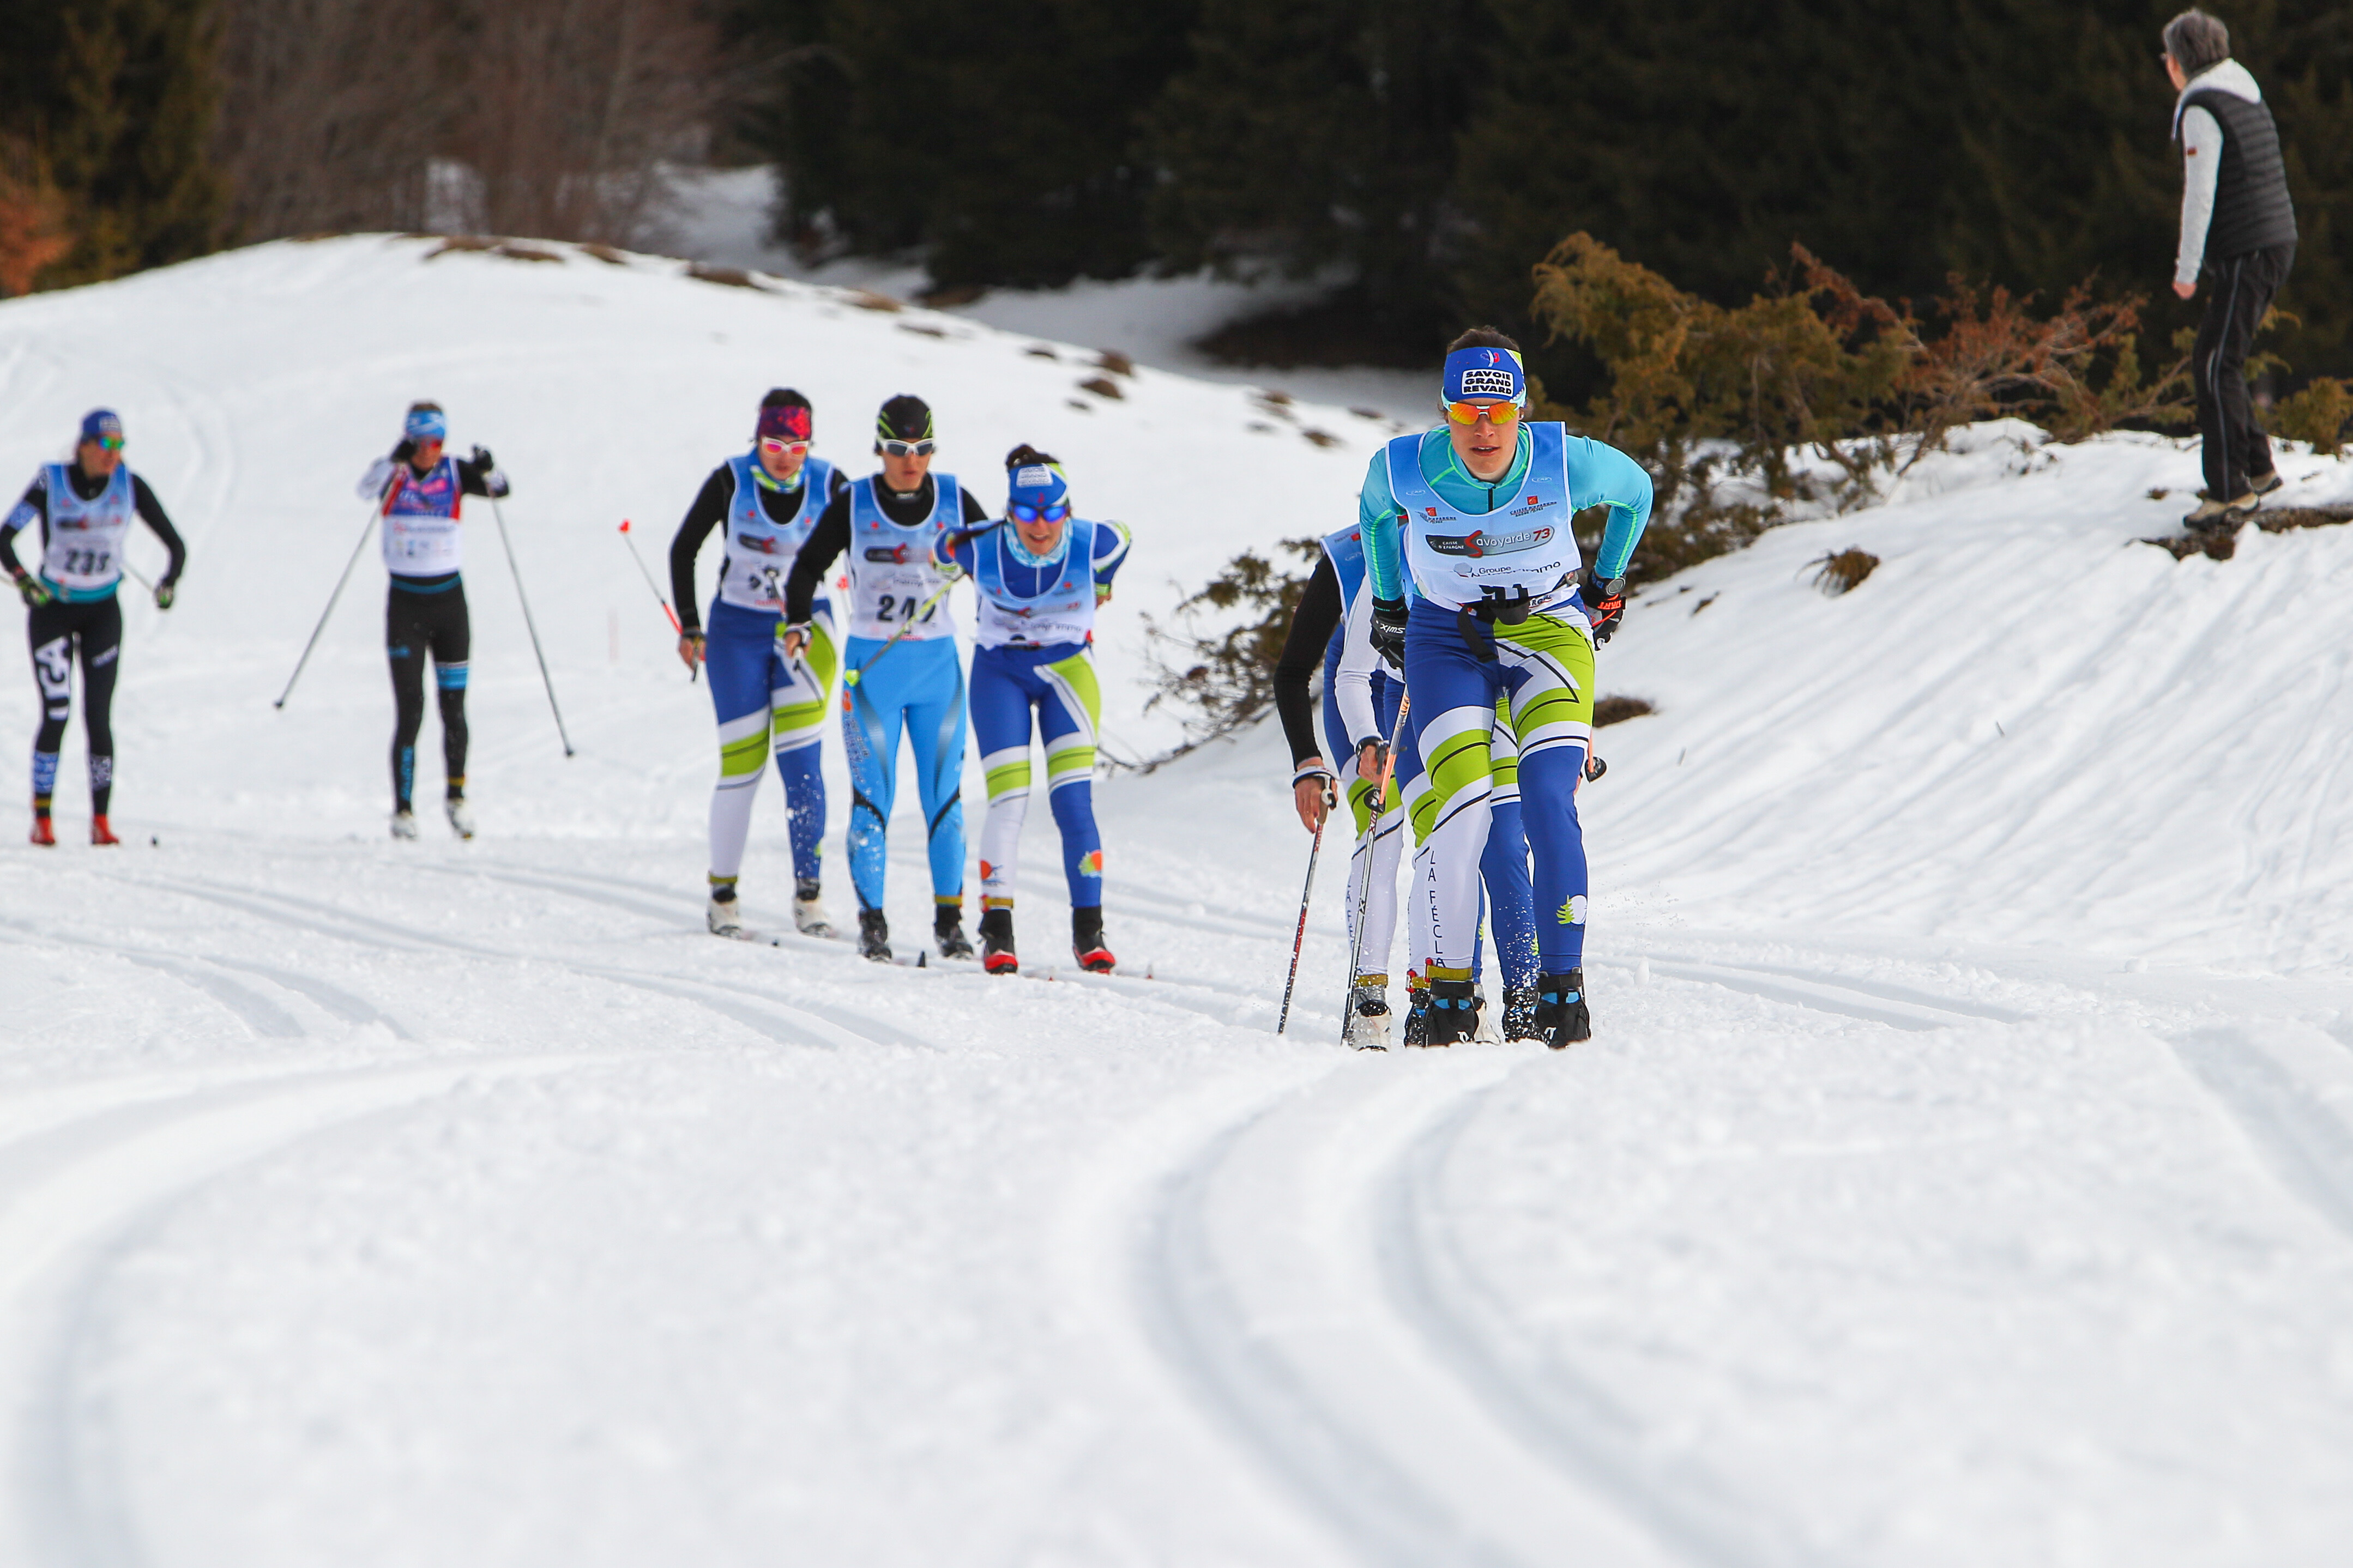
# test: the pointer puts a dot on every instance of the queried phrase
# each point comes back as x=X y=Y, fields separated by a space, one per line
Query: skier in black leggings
x=84 y=509
x=422 y=492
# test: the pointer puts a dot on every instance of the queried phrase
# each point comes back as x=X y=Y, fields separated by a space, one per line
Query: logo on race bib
x=1476 y=545
x=754 y=542
x=1535 y=503
x=889 y=555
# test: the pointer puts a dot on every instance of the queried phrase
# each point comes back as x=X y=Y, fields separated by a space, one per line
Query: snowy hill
x=1963 y=1173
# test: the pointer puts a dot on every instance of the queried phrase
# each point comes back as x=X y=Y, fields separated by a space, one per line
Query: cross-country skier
x=1490 y=600
x=766 y=502
x=1039 y=579
x=903 y=648
x=422 y=492
x=84 y=508
x=1360 y=711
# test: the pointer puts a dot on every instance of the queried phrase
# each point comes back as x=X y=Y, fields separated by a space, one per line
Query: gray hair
x=2197 y=41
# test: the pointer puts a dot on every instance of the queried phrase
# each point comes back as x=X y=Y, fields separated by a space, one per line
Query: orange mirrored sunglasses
x=1469 y=413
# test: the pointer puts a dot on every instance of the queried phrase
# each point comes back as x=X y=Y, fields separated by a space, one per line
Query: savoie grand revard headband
x=1483 y=374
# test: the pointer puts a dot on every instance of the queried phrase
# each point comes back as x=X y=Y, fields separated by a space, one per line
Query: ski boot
x=1452 y=1011
x=873 y=936
x=947 y=929
x=725 y=915
x=100 y=833
x=1560 y=1009
x=1483 y=1022
x=1368 y=1014
x=1087 y=942
x=997 y=943
x=1417 y=1015
x=461 y=817
x=808 y=914
x=43 y=833
x=1520 y=1014
x=404 y=823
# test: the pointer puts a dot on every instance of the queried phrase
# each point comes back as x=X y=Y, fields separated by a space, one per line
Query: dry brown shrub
x=1618 y=709
x=515 y=251
x=728 y=277
x=1321 y=437
x=867 y=299
x=1115 y=362
x=1842 y=571
x=1102 y=386
x=35 y=229
x=1225 y=679
x=602 y=252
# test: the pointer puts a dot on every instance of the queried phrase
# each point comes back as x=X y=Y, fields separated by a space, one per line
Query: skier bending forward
x=903 y=669
x=1039 y=579
x=1490 y=600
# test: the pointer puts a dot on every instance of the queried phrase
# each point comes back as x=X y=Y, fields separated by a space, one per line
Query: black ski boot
x=947 y=929
x=997 y=943
x=1520 y=1014
x=873 y=936
x=1560 y=1009
x=1417 y=1015
x=1453 y=1014
x=1087 y=940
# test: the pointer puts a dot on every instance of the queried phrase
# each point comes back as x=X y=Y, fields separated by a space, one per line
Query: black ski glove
x=406 y=450
x=1389 y=631
x=483 y=460
x=1605 y=603
x=164 y=593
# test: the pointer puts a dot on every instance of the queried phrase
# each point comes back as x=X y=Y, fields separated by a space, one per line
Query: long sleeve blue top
x=1598 y=474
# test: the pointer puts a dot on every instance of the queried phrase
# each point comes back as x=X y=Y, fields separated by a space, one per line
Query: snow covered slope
x=1963 y=1175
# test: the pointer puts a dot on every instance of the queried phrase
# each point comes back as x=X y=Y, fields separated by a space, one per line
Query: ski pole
x=1299 y=937
x=855 y=676
x=528 y=625
x=1374 y=808
x=330 y=609
x=692 y=673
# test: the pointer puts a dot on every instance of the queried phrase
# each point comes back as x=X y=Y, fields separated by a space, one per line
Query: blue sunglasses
x=1052 y=511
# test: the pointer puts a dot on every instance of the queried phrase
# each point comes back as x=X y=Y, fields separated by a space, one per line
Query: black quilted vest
x=2250 y=204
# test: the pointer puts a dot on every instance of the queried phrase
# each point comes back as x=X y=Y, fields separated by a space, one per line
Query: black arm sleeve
x=974 y=514
x=1312 y=626
x=150 y=513
x=708 y=508
x=36 y=496
x=476 y=482
x=827 y=540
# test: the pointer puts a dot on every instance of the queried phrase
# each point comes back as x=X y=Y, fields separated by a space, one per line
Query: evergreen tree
x=1005 y=138
x=117 y=97
x=1321 y=134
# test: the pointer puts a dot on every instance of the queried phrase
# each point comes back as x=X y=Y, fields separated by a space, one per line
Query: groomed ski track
x=1963 y=1173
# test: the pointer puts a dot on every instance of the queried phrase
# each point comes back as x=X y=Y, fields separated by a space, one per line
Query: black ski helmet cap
x=905 y=418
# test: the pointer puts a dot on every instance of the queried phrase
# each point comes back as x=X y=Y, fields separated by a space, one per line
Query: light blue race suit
x=1036 y=623
x=915 y=684
x=1494 y=612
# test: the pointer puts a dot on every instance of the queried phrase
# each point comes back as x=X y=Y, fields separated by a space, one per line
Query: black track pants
x=415 y=625
x=2239 y=290
x=55 y=630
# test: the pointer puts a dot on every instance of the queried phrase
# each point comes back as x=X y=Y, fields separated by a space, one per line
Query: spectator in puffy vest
x=2237 y=234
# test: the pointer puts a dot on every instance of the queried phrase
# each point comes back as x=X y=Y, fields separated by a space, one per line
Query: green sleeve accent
x=1377 y=512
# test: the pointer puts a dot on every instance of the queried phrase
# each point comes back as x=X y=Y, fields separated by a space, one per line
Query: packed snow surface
x=1962 y=1172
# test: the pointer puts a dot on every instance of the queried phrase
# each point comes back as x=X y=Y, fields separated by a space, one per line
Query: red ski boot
x=100 y=833
x=997 y=943
x=1087 y=942
x=43 y=834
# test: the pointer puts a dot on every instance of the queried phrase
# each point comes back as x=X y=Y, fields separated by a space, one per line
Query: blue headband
x=1477 y=374
x=99 y=422
x=426 y=424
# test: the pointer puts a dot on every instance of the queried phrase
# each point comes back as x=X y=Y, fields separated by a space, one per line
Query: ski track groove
x=1421 y=1471
x=2291 y=1097
x=1565 y=1417
x=73 y=1188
